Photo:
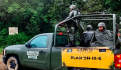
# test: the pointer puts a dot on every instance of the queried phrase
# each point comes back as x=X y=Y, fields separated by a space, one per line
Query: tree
x=113 y=6
x=93 y=6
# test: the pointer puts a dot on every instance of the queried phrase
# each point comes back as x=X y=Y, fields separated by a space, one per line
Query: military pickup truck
x=47 y=51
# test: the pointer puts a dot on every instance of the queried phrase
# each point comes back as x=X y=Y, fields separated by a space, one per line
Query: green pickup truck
x=43 y=55
x=45 y=51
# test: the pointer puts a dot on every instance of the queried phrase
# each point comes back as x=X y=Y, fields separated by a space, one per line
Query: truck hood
x=15 y=46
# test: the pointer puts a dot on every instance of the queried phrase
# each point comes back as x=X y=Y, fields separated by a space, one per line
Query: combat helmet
x=89 y=27
x=73 y=7
x=102 y=24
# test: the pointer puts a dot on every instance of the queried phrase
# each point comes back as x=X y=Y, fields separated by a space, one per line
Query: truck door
x=38 y=52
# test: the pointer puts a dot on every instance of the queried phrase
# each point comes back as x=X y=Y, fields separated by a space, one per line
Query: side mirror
x=27 y=44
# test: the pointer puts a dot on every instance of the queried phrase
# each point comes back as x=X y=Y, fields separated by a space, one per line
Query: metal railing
x=94 y=16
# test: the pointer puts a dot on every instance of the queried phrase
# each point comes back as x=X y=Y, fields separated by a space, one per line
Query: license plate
x=100 y=57
x=84 y=50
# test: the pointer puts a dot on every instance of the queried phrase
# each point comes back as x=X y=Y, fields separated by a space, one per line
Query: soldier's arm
x=70 y=15
x=93 y=39
x=118 y=39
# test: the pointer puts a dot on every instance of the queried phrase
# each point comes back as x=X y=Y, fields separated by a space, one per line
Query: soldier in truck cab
x=86 y=37
x=102 y=37
x=73 y=26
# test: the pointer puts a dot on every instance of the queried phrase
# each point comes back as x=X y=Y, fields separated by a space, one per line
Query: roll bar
x=101 y=16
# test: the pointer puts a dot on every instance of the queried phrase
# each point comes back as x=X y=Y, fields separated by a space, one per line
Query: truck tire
x=13 y=63
x=75 y=68
x=82 y=69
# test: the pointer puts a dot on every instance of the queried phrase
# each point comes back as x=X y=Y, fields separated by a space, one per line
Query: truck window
x=39 y=41
x=61 y=37
x=61 y=40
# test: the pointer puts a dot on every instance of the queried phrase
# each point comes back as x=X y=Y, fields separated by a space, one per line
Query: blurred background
x=33 y=17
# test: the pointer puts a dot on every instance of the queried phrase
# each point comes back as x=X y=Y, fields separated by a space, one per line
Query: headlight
x=4 y=52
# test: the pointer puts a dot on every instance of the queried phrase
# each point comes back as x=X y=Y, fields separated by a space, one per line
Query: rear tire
x=13 y=63
x=75 y=68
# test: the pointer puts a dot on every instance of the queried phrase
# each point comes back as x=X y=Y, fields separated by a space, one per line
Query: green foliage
x=20 y=38
x=37 y=16
x=3 y=34
x=14 y=7
x=113 y=6
x=94 y=6
x=120 y=30
x=1 y=51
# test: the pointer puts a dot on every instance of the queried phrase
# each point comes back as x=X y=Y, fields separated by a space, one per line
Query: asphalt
x=2 y=65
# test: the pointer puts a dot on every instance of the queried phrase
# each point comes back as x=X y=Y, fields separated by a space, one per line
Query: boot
x=74 y=44
x=71 y=44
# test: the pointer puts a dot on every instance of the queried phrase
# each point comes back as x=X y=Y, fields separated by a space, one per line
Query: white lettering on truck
x=32 y=54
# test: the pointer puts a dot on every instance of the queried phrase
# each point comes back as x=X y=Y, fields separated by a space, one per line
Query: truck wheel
x=13 y=63
x=81 y=68
x=76 y=68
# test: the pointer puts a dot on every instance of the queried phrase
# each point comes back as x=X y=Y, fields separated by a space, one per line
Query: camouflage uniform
x=72 y=27
x=101 y=39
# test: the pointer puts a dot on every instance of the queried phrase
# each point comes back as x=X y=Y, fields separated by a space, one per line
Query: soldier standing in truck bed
x=72 y=27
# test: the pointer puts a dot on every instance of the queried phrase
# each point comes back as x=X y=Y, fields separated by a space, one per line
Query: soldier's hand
x=60 y=23
x=119 y=34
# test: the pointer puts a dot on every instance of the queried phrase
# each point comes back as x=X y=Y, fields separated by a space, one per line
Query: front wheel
x=13 y=63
